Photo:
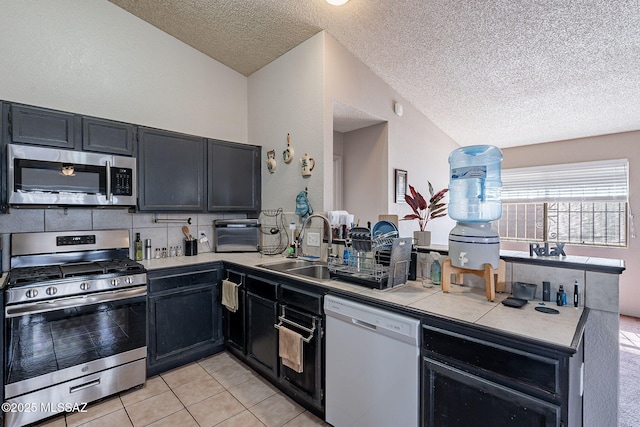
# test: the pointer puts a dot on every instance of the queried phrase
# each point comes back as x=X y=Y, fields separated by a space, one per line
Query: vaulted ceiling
x=500 y=72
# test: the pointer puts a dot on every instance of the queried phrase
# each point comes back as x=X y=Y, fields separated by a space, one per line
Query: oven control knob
x=128 y=280
x=31 y=293
x=84 y=286
x=115 y=282
x=51 y=290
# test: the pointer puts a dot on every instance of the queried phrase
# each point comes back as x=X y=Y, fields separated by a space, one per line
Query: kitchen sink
x=318 y=271
x=287 y=265
x=300 y=267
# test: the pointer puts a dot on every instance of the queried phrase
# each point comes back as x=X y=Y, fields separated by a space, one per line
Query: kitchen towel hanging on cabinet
x=230 y=295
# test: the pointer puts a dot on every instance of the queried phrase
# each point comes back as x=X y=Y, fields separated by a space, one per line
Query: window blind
x=605 y=180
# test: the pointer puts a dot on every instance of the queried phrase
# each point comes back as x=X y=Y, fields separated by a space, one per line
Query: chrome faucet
x=330 y=241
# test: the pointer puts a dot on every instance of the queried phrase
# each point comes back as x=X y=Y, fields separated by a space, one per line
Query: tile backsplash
x=162 y=234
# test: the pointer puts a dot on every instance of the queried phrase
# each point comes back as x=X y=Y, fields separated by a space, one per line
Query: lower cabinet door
x=234 y=325
x=183 y=326
x=456 y=398
x=262 y=337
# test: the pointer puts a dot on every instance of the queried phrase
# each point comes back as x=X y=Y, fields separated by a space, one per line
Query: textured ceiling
x=501 y=72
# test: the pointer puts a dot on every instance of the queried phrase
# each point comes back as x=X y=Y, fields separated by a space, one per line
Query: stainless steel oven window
x=41 y=343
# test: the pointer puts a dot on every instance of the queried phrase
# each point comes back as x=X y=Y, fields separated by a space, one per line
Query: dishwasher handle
x=363 y=324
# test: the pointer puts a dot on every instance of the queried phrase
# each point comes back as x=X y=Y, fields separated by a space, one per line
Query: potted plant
x=424 y=212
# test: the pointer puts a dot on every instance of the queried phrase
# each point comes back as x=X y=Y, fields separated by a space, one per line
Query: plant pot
x=422 y=238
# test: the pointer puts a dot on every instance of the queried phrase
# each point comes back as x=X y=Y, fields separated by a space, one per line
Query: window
x=579 y=203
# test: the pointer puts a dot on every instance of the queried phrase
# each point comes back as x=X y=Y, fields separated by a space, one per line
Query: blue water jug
x=475 y=185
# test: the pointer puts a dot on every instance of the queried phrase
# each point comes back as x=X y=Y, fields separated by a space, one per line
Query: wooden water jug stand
x=493 y=278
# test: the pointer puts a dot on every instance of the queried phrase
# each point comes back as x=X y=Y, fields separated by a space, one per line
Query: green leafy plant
x=423 y=211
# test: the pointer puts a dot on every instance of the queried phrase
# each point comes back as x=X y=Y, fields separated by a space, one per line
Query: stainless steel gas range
x=75 y=322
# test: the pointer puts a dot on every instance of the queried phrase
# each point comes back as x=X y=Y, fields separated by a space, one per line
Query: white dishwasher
x=372 y=366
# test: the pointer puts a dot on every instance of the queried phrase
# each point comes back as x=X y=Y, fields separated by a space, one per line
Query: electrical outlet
x=313 y=239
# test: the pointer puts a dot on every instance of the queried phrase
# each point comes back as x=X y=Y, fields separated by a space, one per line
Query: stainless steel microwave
x=55 y=177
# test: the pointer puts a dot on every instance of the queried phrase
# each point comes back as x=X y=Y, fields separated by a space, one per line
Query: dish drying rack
x=381 y=262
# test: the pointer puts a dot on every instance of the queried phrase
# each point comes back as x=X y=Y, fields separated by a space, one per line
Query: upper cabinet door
x=171 y=168
x=41 y=126
x=234 y=177
x=107 y=136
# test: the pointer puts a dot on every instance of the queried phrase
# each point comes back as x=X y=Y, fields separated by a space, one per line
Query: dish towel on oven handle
x=230 y=295
x=290 y=348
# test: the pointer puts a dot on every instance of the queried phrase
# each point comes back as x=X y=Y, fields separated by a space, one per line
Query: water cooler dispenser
x=474 y=201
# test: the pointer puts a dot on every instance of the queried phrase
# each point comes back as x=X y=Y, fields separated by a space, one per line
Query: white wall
x=414 y=143
x=94 y=58
x=285 y=96
x=615 y=146
x=365 y=172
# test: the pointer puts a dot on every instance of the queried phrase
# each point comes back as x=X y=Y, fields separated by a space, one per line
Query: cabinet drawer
x=305 y=300
x=182 y=279
x=261 y=287
x=492 y=360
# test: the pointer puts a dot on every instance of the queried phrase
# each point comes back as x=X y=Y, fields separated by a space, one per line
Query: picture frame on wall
x=401 y=185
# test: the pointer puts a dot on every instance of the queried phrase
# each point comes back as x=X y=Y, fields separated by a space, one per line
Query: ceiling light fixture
x=337 y=2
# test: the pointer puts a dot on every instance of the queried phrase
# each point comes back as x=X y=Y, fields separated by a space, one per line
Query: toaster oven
x=236 y=235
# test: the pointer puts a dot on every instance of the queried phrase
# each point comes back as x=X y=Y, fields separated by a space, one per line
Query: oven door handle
x=80 y=387
x=75 y=301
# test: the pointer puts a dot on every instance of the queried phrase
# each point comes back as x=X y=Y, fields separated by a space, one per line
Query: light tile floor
x=217 y=391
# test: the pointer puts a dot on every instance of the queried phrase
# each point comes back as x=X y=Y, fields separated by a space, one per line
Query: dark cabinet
x=234 y=322
x=177 y=172
x=107 y=136
x=301 y=311
x=185 y=316
x=171 y=170
x=262 y=337
x=267 y=304
x=41 y=126
x=234 y=177
x=468 y=377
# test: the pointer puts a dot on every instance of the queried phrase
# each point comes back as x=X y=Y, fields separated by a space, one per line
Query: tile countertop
x=462 y=303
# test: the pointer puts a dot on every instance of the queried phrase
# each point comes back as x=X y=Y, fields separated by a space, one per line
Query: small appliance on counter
x=236 y=235
x=474 y=189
